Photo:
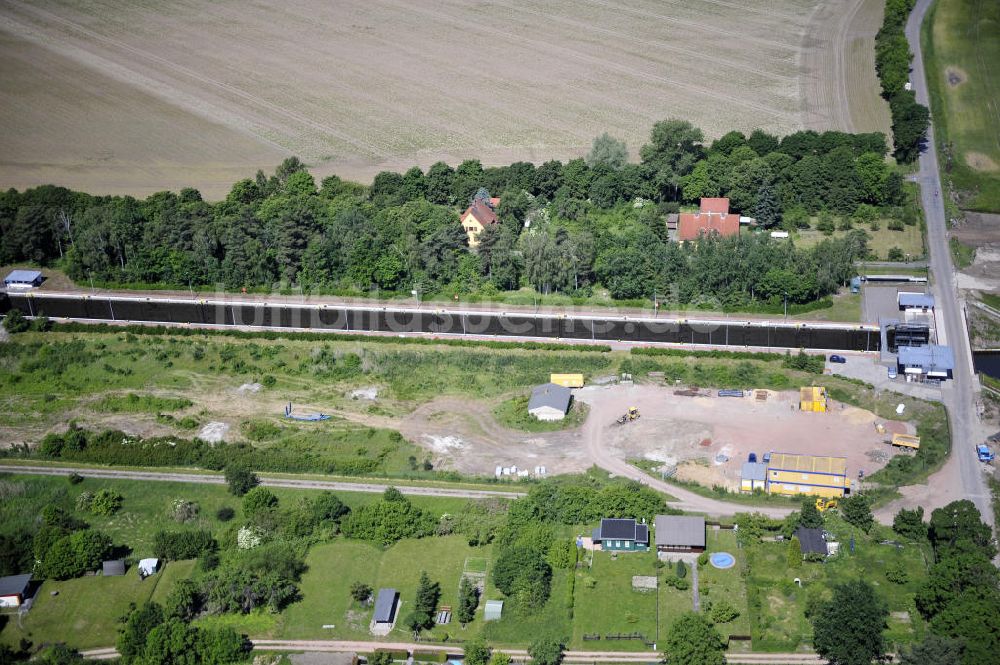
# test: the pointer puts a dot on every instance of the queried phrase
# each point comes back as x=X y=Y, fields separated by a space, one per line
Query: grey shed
x=385 y=605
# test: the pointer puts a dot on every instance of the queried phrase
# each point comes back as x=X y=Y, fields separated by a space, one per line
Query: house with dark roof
x=478 y=216
x=14 y=590
x=713 y=218
x=679 y=533
x=549 y=401
x=621 y=535
x=811 y=541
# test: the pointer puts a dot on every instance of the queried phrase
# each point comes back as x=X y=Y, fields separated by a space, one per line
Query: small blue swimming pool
x=722 y=560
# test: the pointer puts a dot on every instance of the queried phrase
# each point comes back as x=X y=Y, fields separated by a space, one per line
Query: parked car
x=837 y=359
x=892 y=372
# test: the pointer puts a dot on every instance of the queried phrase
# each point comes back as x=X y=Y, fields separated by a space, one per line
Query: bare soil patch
x=139 y=96
x=981 y=162
x=955 y=76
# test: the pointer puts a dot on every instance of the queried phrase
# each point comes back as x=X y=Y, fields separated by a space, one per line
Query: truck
x=984 y=453
x=906 y=441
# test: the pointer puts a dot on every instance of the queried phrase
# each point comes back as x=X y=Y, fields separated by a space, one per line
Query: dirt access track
x=138 y=97
x=687 y=432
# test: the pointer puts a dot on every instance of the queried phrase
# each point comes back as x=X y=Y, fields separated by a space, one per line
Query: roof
x=753 y=471
x=483 y=213
x=114 y=567
x=811 y=540
x=551 y=395
x=680 y=531
x=642 y=533
x=385 y=605
x=691 y=225
x=14 y=584
x=836 y=466
x=715 y=205
x=908 y=299
x=148 y=566
x=618 y=528
x=23 y=276
x=494 y=608
x=931 y=358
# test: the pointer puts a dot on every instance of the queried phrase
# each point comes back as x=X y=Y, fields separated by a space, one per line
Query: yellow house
x=812 y=398
x=567 y=380
x=477 y=217
x=792 y=475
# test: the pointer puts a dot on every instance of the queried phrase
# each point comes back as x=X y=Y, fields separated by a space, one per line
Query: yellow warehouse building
x=792 y=475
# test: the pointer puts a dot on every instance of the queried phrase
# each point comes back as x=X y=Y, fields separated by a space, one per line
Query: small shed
x=811 y=541
x=549 y=401
x=114 y=568
x=752 y=476
x=812 y=398
x=22 y=279
x=385 y=606
x=148 y=566
x=14 y=590
x=493 y=611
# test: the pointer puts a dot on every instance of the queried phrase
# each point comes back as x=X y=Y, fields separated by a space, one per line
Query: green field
x=85 y=611
x=961 y=46
x=909 y=240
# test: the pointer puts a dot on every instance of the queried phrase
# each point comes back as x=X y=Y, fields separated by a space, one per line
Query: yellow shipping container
x=812 y=398
x=567 y=380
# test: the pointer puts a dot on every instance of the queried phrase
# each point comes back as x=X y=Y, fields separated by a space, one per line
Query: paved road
x=519 y=654
x=961 y=394
x=217 y=479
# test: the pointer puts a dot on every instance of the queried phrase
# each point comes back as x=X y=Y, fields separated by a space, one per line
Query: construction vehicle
x=906 y=441
x=984 y=453
x=633 y=414
x=823 y=505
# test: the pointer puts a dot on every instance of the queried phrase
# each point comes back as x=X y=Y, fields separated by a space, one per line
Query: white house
x=549 y=401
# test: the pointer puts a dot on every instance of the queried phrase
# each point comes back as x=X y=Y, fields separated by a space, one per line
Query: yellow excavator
x=633 y=414
x=823 y=505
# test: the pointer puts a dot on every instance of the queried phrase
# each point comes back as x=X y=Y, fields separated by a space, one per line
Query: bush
x=258 y=501
x=895 y=254
x=897 y=573
x=241 y=480
x=176 y=545
x=74 y=478
x=15 y=322
x=681 y=570
x=723 y=611
x=106 y=502
x=702 y=559
x=183 y=511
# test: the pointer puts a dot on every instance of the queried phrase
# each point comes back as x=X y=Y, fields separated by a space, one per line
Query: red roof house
x=477 y=217
x=714 y=217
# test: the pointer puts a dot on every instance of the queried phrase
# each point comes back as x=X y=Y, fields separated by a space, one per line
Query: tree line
x=563 y=227
x=892 y=63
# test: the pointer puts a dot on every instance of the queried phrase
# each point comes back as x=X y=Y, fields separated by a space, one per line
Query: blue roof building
x=910 y=300
x=932 y=361
x=23 y=279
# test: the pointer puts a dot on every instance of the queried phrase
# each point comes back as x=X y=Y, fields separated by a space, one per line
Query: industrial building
x=812 y=398
x=909 y=301
x=792 y=475
x=919 y=363
x=22 y=279
x=753 y=476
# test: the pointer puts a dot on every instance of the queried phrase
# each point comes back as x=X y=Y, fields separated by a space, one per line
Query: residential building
x=14 y=590
x=792 y=475
x=712 y=218
x=549 y=401
x=622 y=535
x=679 y=533
x=478 y=216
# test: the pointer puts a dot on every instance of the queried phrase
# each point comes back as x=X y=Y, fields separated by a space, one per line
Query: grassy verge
x=957 y=38
x=513 y=414
x=961 y=254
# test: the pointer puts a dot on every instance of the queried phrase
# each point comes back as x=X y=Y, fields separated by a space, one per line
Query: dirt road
x=216 y=479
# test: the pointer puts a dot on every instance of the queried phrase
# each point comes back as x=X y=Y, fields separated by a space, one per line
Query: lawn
x=909 y=240
x=961 y=45
x=777 y=604
x=513 y=413
x=85 y=612
x=333 y=567
x=605 y=601
x=715 y=585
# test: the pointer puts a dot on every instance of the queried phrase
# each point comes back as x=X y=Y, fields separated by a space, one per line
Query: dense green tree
x=259 y=500
x=958 y=525
x=933 y=649
x=810 y=516
x=693 y=640
x=546 y=652
x=477 y=652
x=240 y=479
x=360 y=591
x=673 y=149
x=138 y=624
x=523 y=573
x=910 y=523
x=184 y=600
x=848 y=629
x=608 y=151
x=857 y=510
x=468 y=601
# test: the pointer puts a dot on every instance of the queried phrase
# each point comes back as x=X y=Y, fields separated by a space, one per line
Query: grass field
x=85 y=611
x=961 y=46
x=909 y=240
x=137 y=97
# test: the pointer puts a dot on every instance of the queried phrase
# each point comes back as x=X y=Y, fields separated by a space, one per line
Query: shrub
x=183 y=511
x=241 y=479
x=258 y=501
x=723 y=611
x=15 y=322
x=897 y=573
x=106 y=502
x=176 y=545
x=702 y=559
x=74 y=478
